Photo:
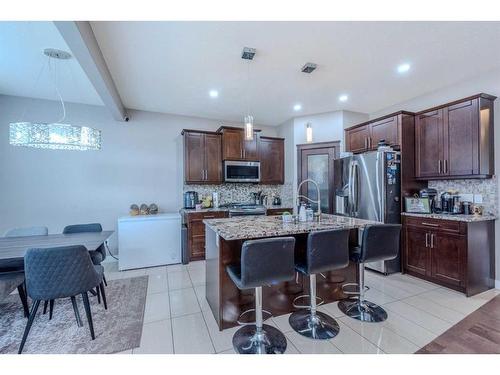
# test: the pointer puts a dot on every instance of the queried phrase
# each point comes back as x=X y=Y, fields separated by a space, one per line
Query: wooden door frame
x=313 y=146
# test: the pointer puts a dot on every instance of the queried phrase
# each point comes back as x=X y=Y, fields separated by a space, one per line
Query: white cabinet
x=146 y=241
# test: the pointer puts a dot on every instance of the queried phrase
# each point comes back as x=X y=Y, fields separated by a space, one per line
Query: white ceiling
x=170 y=66
x=22 y=59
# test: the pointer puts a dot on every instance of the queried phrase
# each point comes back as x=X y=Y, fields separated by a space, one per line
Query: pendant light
x=57 y=135
x=248 y=54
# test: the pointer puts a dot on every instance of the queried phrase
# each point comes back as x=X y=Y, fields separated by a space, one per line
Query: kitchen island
x=224 y=238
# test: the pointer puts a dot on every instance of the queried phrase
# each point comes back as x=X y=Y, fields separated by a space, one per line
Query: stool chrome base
x=319 y=326
x=270 y=340
x=364 y=311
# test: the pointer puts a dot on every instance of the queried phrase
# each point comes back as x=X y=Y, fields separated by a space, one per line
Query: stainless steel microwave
x=241 y=171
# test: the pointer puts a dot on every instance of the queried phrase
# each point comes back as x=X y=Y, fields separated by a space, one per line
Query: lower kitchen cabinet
x=196 y=232
x=278 y=211
x=455 y=254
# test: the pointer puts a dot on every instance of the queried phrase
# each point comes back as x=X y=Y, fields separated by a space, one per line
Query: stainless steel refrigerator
x=368 y=186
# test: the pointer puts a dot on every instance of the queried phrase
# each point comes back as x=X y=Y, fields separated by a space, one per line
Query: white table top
x=16 y=247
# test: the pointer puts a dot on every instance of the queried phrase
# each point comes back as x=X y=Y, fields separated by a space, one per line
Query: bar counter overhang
x=224 y=238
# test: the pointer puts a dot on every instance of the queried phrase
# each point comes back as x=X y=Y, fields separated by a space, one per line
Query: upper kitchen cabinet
x=455 y=140
x=236 y=147
x=365 y=137
x=202 y=157
x=272 y=163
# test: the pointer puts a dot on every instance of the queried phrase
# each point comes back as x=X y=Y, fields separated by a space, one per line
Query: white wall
x=488 y=83
x=140 y=162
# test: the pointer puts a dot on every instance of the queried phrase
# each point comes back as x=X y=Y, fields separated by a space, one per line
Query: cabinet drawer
x=278 y=211
x=450 y=226
x=193 y=216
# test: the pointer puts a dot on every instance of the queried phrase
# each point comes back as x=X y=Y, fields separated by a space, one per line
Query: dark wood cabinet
x=386 y=129
x=236 y=147
x=455 y=140
x=455 y=254
x=356 y=139
x=196 y=231
x=202 y=157
x=272 y=163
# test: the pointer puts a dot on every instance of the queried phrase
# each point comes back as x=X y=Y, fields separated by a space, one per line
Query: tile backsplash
x=241 y=192
x=487 y=188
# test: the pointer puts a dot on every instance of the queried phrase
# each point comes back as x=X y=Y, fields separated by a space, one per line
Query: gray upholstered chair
x=9 y=265
x=98 y=255
x=61 y=272
x=10 y=281
x=379 y=242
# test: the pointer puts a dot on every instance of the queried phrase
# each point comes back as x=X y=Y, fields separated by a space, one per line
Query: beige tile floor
x=178 y=319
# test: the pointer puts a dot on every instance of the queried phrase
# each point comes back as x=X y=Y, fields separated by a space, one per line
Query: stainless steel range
x=244 y=209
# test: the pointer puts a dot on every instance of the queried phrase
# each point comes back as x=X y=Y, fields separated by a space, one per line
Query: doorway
x=315 y=161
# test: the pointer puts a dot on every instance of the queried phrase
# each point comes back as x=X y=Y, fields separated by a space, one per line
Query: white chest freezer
x=146 y=241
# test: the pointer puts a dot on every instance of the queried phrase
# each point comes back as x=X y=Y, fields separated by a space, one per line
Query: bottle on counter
x=309 y=213
x=302 y=213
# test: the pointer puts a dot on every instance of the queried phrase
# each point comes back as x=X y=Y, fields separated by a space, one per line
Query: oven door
x=242 y=171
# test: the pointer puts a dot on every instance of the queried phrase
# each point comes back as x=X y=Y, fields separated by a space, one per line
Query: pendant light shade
x=309 y=133
x=249 y=127
x=56 y=135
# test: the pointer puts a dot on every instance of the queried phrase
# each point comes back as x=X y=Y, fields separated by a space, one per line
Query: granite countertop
x=465 y=218
x=247 y=227
x=224 y=209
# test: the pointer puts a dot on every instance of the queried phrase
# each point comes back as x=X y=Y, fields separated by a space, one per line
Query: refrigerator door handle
x=355 y=187
x=349 y=190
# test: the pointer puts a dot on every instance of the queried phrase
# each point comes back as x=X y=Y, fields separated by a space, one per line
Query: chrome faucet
x=299 y=196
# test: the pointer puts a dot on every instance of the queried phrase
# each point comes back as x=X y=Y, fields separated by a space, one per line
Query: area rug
x=117 y=329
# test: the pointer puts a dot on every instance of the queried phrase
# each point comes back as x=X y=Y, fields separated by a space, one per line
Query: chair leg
x=34 y=309
x=45 y=304
x=93 y=292
x=51 y=308
x=98 y=294
x=104 y=279
x=77 y=312
x=24 y=299
x=101 y=288
x=86 y=303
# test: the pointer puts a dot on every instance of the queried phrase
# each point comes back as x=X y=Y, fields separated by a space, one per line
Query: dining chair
x=9 y=281
x=10 y=265
x=61 y=272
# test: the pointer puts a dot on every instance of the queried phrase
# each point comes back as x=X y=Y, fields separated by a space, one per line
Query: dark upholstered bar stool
x=326 y=251
x=262 y=262
x=379 y=242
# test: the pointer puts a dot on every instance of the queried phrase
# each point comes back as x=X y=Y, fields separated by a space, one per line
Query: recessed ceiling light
x=343 y=98
x=297 y=107
x=213 y=93
x=403 y=68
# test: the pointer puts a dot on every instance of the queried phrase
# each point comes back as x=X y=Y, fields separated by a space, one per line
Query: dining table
x=16 y=247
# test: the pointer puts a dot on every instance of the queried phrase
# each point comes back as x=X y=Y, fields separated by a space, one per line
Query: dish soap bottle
x=302 y=213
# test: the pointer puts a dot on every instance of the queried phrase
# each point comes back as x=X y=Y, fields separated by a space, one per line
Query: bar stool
x=262 y=262
x=326 y=251
x=379 y=242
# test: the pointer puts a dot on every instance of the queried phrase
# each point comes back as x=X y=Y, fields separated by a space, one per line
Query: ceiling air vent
x=309 y=67
x=248 y=53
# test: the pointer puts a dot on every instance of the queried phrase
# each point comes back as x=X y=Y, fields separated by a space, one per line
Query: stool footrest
x=355 y=292
x=319 y=302
x=241 y=323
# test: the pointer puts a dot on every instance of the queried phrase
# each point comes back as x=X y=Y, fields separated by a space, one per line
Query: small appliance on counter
x=450 y=203
x=432 y=195
x=277 y=201
x=190 y=199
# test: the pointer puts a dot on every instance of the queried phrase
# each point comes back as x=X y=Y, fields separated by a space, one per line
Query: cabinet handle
x=432 y=240
x=202 y=174
x=209 y=217
x=427 y=240
x=370 y=142
x=430 y=224
x=439 y=166
x=366 y=142
x=445 y=168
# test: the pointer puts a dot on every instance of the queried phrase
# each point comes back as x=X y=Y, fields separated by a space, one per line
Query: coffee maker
x=190 y=199
x=432 y=195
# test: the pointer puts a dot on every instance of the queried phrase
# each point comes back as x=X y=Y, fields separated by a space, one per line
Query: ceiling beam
x=81 y=40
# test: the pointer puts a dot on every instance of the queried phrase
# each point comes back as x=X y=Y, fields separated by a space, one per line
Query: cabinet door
x=417 y=242
x=272 y=164
x=461 y=139
x=232 y=144
x=213 y=158
x=429 y=144
x=194 y=157
x=386 y=129
x=251 y=148
x=357 y=139
x=448 y=255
